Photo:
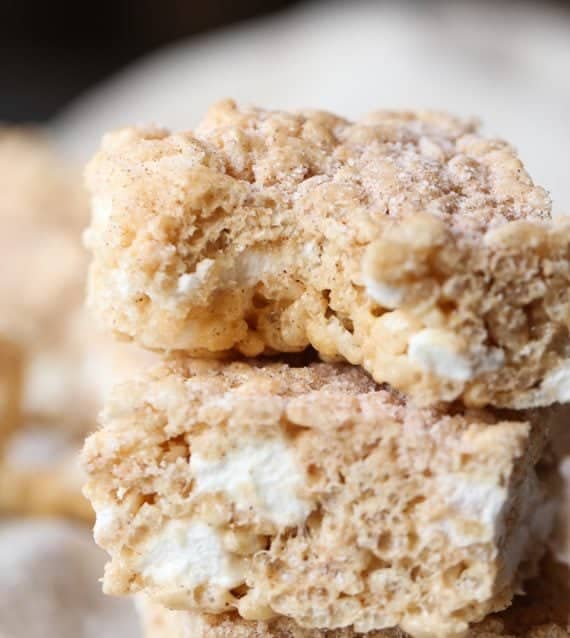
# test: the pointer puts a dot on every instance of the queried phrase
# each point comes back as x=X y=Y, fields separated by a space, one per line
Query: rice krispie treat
x=405 y=242
x=544 y=612
x=310 y=493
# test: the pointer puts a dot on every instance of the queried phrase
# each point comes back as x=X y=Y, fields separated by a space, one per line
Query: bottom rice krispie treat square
x=543 y=612
x=313 y=494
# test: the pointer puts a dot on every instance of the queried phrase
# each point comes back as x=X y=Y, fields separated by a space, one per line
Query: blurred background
x=52 y=52
x=89 y=67
x=71 y=71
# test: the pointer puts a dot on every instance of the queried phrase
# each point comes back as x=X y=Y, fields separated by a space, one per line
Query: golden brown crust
x=405 y=243
x=315 y=495
x=544 y=612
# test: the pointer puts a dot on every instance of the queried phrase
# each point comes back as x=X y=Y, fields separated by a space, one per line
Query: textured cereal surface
x=357 y=510
x=405 y=242
x=544 y=612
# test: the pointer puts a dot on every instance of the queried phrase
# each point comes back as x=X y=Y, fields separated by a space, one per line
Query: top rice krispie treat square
x=406 y=243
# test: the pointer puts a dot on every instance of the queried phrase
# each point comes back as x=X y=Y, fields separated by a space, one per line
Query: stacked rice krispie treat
x=265 y=493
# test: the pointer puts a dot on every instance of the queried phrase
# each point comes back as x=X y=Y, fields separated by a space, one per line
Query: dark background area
x=51 y=51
